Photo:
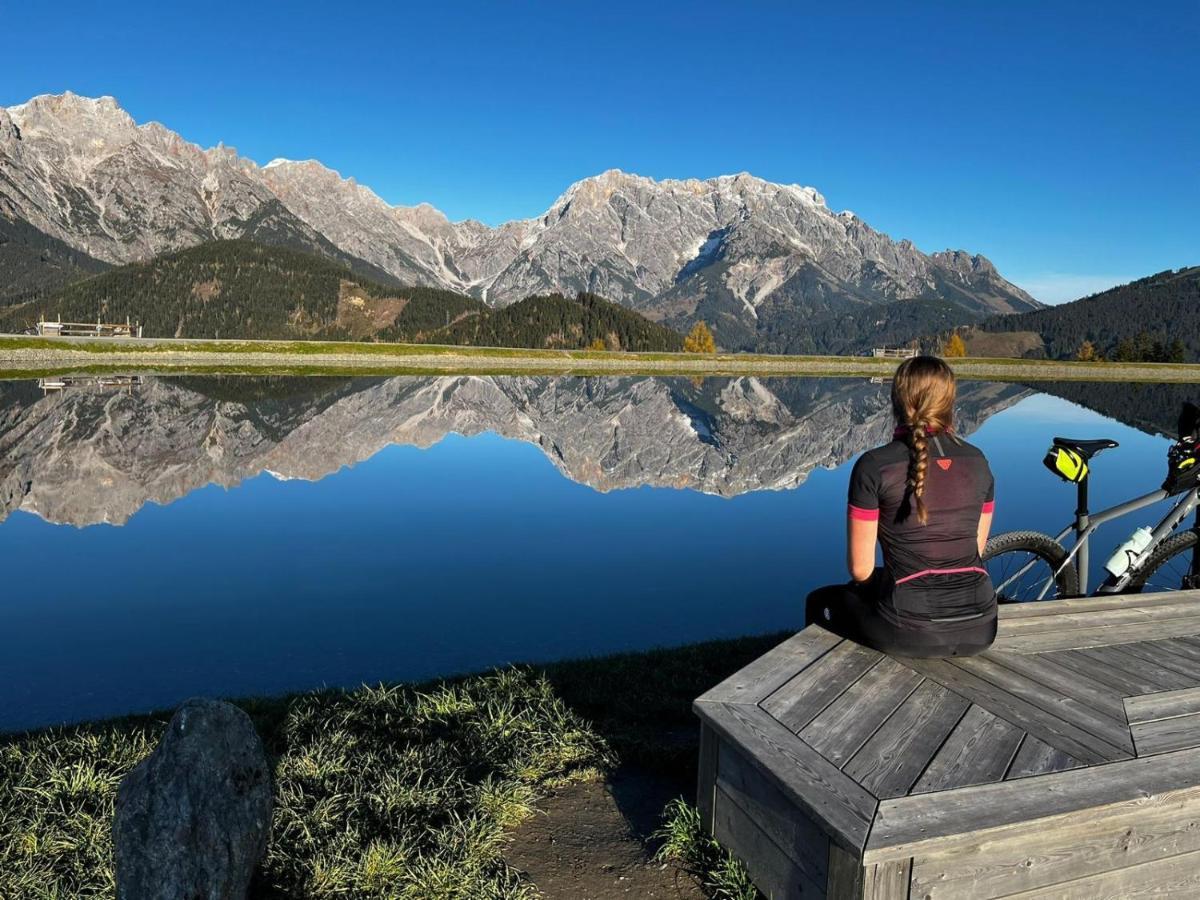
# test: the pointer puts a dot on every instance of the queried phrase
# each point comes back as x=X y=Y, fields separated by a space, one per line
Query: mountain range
x=768 y=266
x=90 y=454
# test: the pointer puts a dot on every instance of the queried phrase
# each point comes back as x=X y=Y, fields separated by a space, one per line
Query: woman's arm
x=861 y=533
x=985 y=526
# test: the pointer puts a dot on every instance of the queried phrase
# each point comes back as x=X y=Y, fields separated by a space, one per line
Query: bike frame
x=1086 y=523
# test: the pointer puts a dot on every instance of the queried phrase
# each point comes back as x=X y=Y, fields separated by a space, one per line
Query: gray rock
x=193 y=819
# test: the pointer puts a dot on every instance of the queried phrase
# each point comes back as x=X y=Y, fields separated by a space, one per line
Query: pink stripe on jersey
x=988 y=507
x=925 y=572
x=862 y=515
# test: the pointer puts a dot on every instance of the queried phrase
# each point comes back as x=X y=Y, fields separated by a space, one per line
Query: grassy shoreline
x=24 y=357
x=392 y=791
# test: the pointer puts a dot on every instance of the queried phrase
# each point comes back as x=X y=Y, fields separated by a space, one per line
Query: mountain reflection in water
x=85 y=453
x=430 y=553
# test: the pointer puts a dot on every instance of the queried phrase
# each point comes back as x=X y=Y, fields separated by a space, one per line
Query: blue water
x=477 y=551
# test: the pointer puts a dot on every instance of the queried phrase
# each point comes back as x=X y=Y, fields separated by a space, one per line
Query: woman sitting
x=927 y=498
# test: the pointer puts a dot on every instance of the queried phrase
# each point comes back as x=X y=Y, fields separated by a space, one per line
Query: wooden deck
x=1064 y=762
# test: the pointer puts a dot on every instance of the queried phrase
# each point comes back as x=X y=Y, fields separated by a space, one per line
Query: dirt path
x=590 y=842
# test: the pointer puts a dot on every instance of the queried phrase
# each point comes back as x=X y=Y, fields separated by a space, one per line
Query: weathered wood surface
x=1041 y=857
x=840 y=730
x=800 y=700
x=843 y=807
x=1065 y=761
x=775 y=668
x=797 y=836
x=1162 y=705
x=979 y=751
x=1049 y=727
x=773 y=873
x=938 y=822
x=894 y=758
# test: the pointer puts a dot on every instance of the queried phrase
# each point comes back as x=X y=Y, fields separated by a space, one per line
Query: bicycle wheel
x=1022 y=564
x=1169 y=567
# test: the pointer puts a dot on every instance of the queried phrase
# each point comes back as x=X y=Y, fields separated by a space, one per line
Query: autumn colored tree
x=955 y=346
x=1087 y=352
x=699 y=340
x=597 y=344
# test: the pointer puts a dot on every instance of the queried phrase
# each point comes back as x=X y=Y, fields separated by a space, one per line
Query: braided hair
x=923 y=393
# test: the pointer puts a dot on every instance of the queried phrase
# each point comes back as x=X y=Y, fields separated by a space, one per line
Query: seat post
x=1082 y=518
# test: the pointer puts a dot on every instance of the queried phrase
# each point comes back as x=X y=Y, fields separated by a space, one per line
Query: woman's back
x=933 y=568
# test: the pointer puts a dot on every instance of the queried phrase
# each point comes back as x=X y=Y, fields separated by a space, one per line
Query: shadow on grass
x=400 y=791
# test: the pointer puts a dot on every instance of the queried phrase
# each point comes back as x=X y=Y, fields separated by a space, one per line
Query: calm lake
x=167 y=537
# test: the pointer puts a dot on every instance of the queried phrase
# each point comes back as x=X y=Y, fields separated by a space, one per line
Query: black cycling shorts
x=853 y=611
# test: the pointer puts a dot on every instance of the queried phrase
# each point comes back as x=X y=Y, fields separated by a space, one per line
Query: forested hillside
x=556 y=321
x=1155 y=318
x=239 y=289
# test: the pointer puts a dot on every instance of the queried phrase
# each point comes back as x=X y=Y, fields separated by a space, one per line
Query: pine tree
x=699 y=340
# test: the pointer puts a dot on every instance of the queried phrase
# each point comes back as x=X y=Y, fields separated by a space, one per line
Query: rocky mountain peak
x=738 y=251
x=8 y=128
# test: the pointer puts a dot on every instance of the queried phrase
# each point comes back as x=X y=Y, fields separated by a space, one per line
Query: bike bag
x=1066 y=464
x=1183 y=466
x=1183 y=459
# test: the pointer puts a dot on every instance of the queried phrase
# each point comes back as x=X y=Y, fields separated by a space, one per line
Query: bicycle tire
x=1038 y=545
x=1156 y=565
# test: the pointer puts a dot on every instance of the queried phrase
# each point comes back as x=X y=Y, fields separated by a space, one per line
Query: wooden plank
x=1175 y=876
x=845 y=725
x=1116 y=658
x=1099 y=636
x=1162 y=705
x=1038 y=758
x=978 y=750
x=895 y=756
x=1087 y=667
x=941 y=822
x=1161 y=653
x=1039 y=858
x=845 y=874
x=841 y=806
x=1039 y=667
x=1186 y=646
x=799 y=701
x=887 y=881
x=774 y=668
x=1162 y=735
x=1052 y=729
x=796 y=835
x=1126 y=614
x=706 y=776
x=770 y=868
x=1012 y=611
x=1113 y=731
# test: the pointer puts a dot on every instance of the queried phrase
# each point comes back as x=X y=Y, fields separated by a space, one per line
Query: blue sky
x=1060 y=139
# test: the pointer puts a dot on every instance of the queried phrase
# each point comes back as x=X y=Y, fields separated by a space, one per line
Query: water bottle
x=1129 y=551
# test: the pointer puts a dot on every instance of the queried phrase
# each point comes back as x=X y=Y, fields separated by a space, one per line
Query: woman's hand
x=861 y=535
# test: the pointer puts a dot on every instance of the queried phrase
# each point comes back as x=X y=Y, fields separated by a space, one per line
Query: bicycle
x=1028 y=565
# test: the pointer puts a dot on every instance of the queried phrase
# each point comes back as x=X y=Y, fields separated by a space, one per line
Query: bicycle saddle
x=1086 y=449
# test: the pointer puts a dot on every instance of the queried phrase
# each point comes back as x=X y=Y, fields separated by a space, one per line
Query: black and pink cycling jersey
x=932 y=573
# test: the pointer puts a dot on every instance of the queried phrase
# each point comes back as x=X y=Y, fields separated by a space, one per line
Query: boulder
x=193 y=818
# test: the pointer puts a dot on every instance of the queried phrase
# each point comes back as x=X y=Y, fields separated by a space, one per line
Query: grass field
x=22 y=356
x=390 y=791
